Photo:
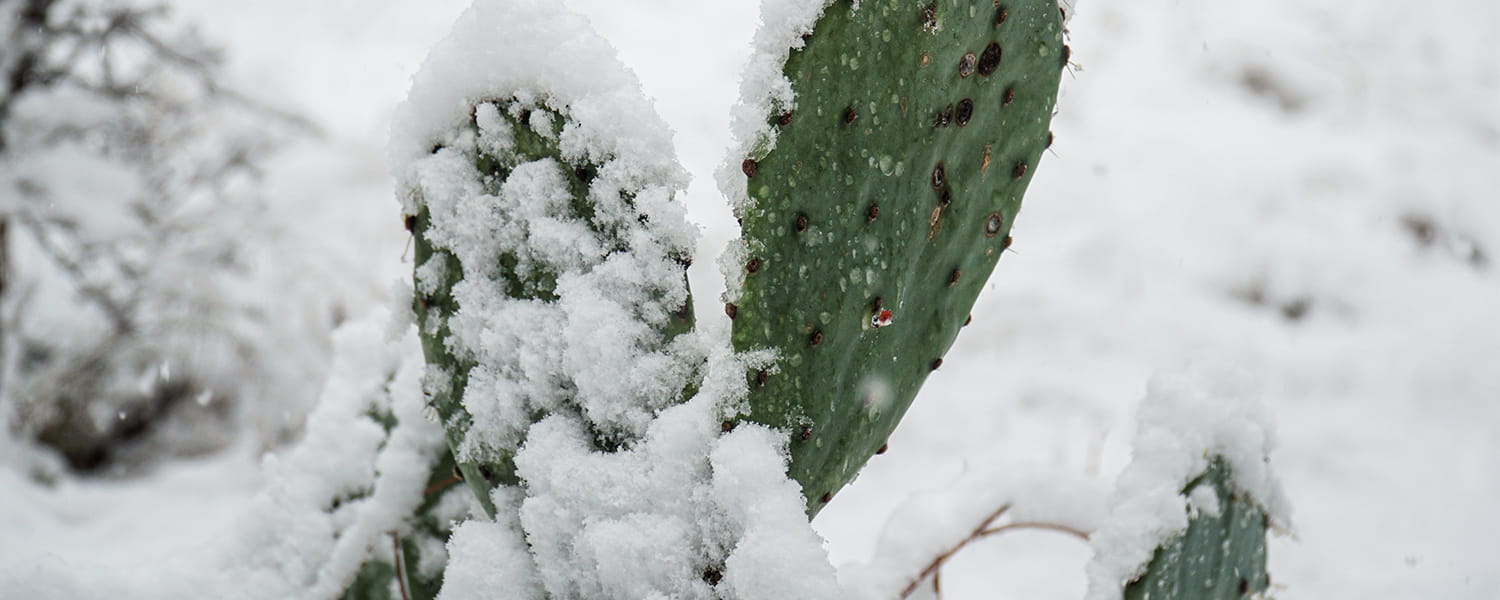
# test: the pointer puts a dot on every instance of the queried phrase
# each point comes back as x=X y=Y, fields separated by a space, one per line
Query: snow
x=764 y=90
x=1185 y=421
x=1181 y=214
x=650 y=519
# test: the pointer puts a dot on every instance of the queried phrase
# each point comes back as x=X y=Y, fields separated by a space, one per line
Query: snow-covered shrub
x=140 y=299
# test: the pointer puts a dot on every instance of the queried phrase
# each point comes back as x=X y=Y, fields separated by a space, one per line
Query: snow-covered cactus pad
x=885 y=150
x=550 y=252
x=1191 y=512
x=1221 y=555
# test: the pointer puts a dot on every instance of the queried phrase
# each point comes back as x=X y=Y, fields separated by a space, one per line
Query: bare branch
x=983 y=530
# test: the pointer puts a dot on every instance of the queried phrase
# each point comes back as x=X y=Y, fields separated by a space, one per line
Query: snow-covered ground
x=1305 y=192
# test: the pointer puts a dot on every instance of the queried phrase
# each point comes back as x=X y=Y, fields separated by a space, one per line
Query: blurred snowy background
x=1306 y=191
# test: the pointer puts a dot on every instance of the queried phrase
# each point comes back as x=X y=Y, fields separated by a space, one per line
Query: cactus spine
x=873 y=223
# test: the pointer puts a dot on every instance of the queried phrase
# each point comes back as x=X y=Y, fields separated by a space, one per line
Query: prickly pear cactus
x=1221 y=556
x=508 y=163
x=872 y=225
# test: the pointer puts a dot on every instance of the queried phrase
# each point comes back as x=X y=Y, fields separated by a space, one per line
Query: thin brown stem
x=400 y=572
x=1035 y=525
x=984 y=530
x=938 y=562
x=440 y=486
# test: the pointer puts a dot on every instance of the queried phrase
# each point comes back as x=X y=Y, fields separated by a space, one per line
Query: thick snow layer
x=347 y=484
x=1184 y=422
x=538 y=53
x=648 y=520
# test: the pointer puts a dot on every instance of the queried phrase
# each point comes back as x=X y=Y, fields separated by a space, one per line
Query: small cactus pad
x=1221 y=556
x=872 y=225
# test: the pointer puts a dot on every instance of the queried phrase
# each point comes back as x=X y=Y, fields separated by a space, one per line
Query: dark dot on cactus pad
x=1244 y=586
x=993 y=224
x=1001 y=16
x=1049 y=141
x=942 y=117
x=484 y=471
x=753 y=266
x=726 y=426
x=731 y=310
x=582 y=173
x=929 y=16
x=801 y=224
x=749 y=167
x=712 y=576
x=966 y=64
x=964 y=112
x=877 y=304
x=953 y=277
x=939 y=177
x=806 y=434
x=872 y=213
x=411 y=222
x=989 y=60
x=761 y=376
x=1067 y=53
x=1019 y=171
x=850 y=115
x=936 y=362
x=826 y=497
x=785 y=118
x=945 y=197
x=817 y=338
x=525 y=116
x=1009 y=97
x=968 y=320
x=883 y=448
x=1005 y=243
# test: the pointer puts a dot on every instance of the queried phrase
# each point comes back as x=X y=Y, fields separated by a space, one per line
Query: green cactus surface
x=1221 y=556
x=435 y=308
x=892 y=186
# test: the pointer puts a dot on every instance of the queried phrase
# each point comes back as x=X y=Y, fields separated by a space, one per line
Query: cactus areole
x=915 y=129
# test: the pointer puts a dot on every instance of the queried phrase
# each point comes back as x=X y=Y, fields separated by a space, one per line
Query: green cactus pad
x=532 y=133
x=891 y=186
x=1220 y=557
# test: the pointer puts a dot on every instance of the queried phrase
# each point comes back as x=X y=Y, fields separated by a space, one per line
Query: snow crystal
x=1184 y=421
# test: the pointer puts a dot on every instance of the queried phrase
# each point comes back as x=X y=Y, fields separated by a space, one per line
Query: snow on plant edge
x=1184 y=420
